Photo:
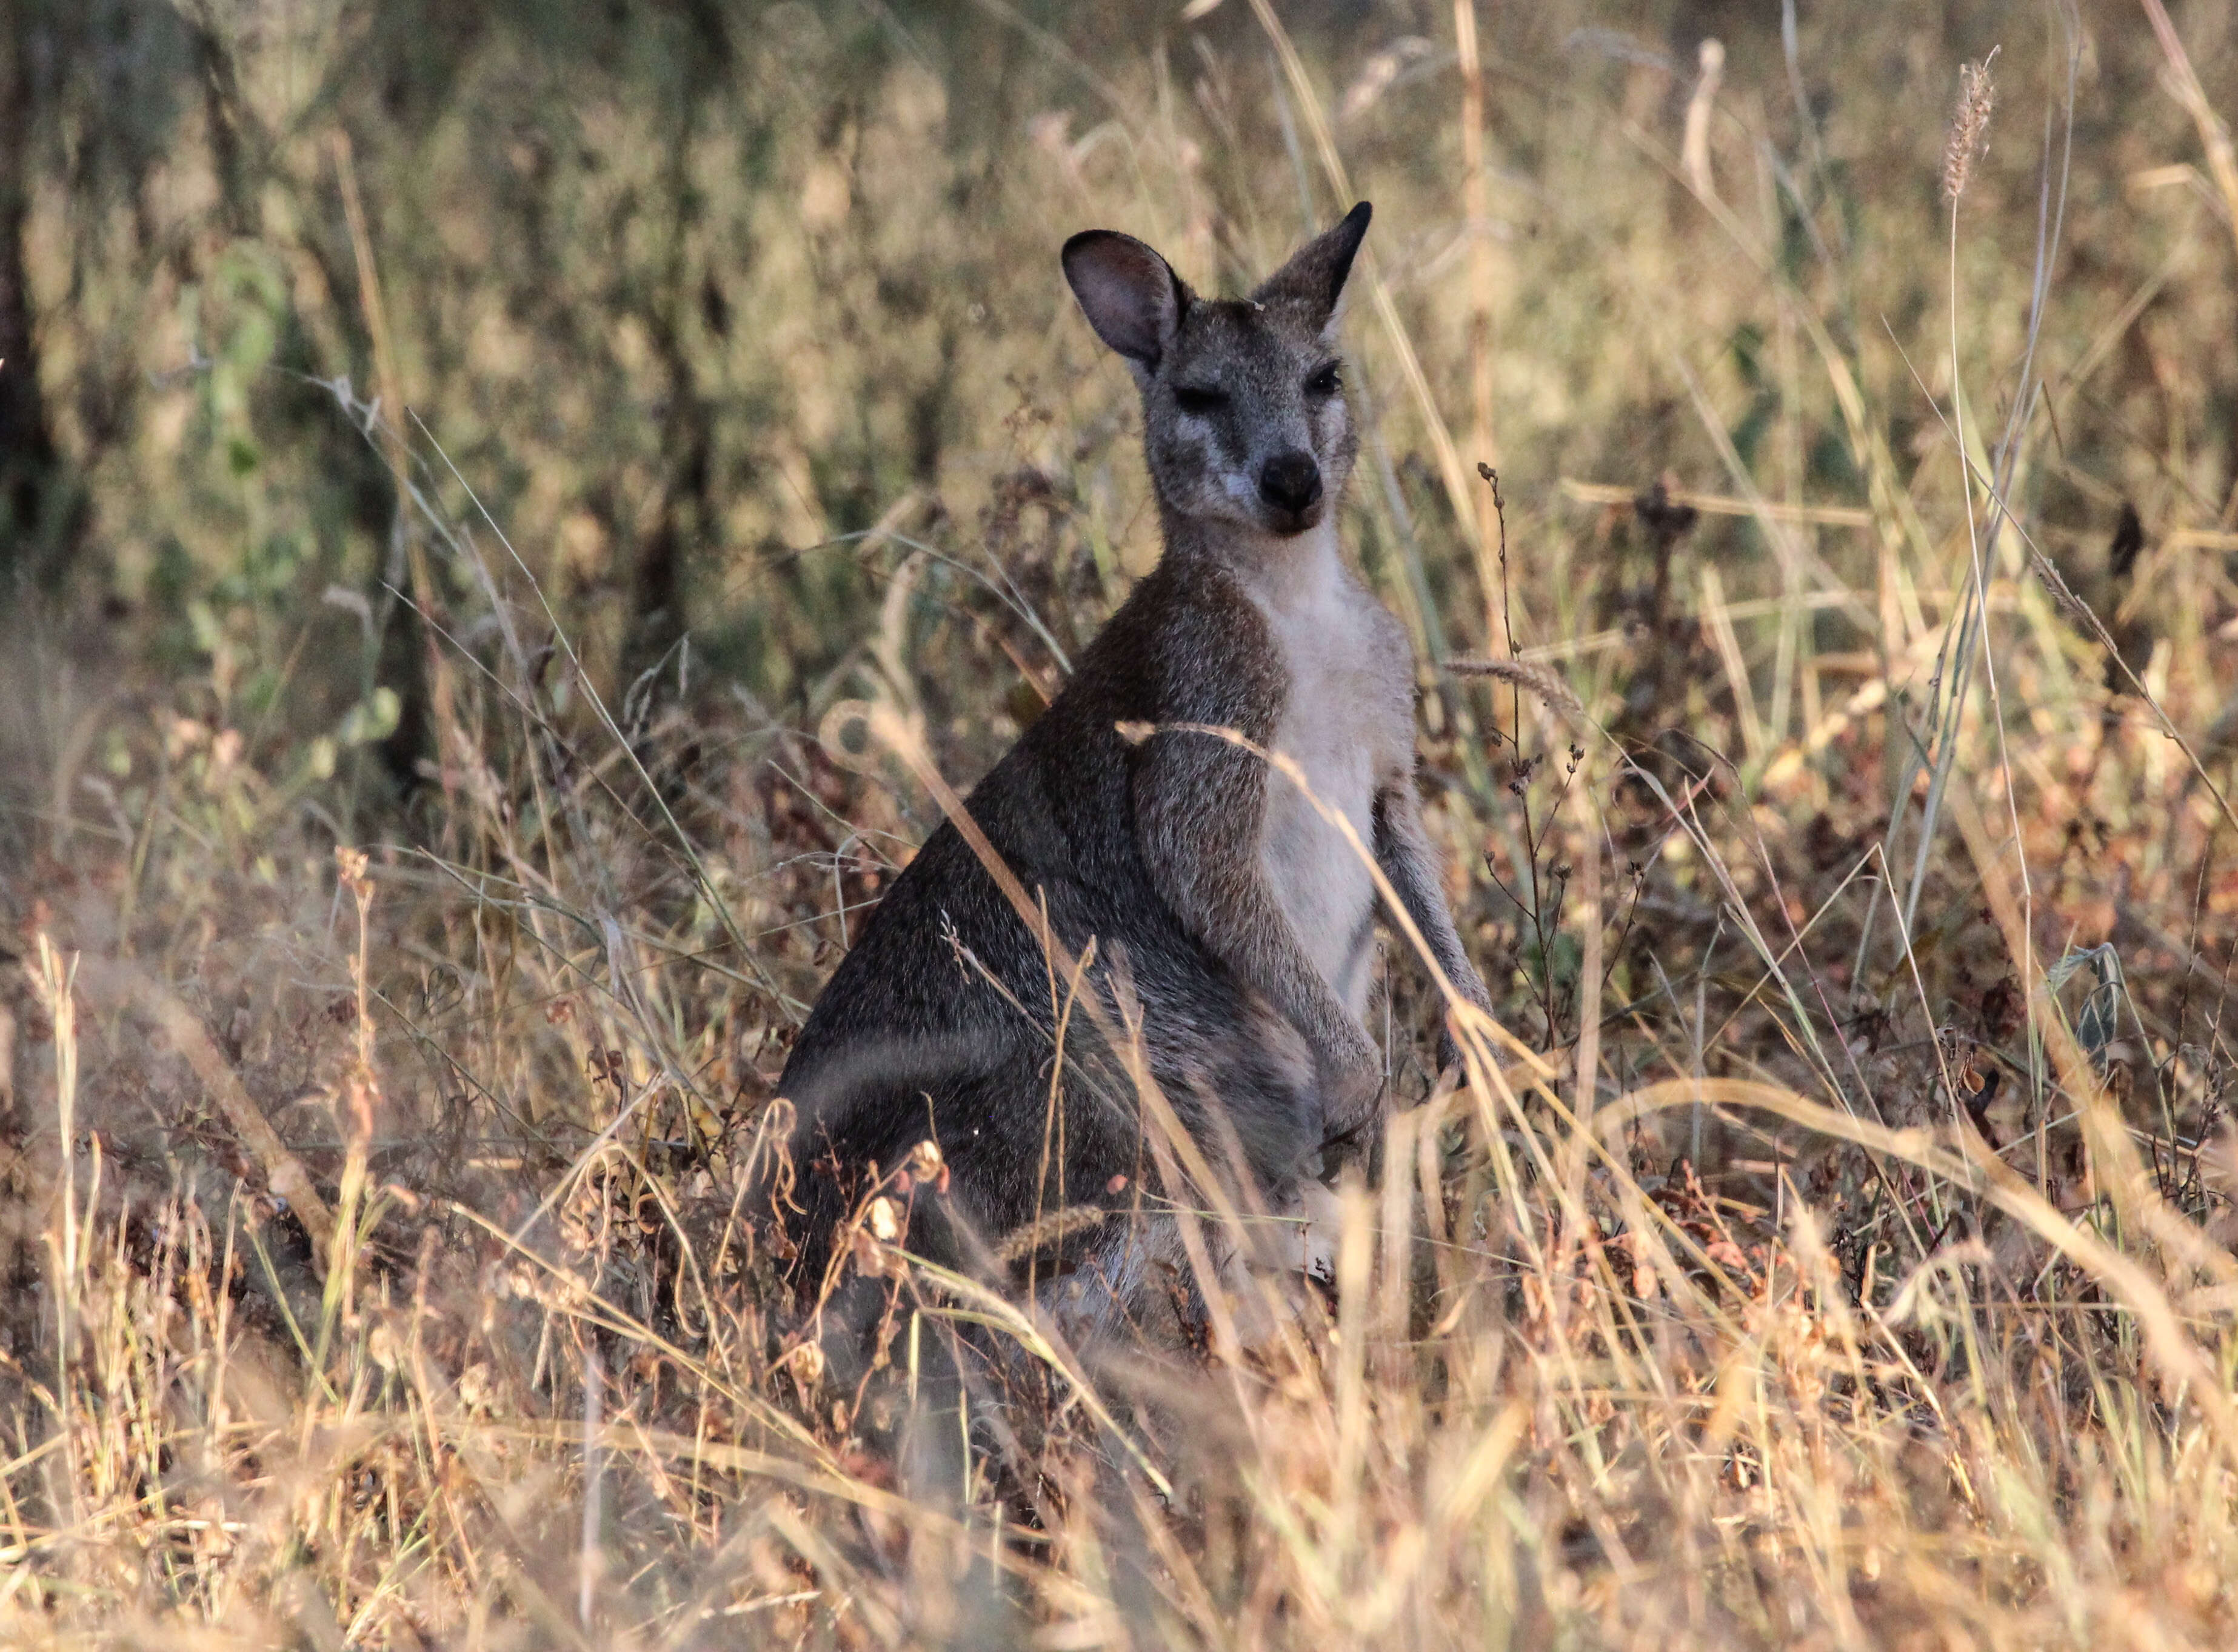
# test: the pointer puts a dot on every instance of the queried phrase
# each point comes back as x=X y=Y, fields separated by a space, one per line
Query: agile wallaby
x=1223 y=906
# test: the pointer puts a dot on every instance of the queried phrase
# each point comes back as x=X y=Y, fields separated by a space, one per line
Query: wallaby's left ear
x=1315 y=275
x=1130 y=295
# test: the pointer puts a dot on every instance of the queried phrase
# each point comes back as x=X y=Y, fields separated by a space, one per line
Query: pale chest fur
x=1348 y=721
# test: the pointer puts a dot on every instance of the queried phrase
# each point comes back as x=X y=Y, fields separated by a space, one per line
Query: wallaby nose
x=1291 y=482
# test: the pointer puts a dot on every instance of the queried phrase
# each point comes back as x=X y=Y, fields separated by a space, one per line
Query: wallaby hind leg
x=934 y=1419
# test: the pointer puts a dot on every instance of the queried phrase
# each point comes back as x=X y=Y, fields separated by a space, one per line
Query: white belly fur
x=1348 y=723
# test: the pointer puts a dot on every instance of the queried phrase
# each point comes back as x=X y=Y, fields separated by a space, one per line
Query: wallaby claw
x=1354 y=1098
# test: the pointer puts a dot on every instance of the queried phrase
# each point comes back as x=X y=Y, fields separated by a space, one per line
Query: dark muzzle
x=1291 y=482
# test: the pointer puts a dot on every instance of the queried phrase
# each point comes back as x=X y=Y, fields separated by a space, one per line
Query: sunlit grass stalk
x=55 y=981
x=1477 y=211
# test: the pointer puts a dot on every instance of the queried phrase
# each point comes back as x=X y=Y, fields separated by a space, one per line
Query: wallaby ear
x=1130 y=295
x=1315 y=274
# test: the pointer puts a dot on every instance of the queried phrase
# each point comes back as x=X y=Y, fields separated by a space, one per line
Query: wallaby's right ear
x=1130 y=295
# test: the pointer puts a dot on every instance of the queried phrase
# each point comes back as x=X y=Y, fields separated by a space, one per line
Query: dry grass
x=1830 y=1245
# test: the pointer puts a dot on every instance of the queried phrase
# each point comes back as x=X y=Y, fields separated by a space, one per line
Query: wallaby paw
x=1314 y=1241
x=1352 y=1099
x=1272 y=1290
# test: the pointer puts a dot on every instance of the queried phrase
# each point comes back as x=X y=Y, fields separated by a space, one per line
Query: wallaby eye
x=1324 y=381
x=1199 y=399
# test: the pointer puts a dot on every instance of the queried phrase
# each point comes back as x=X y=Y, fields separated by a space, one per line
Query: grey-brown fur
x=1241 y=922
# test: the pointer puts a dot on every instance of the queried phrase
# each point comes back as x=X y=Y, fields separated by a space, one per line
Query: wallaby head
x=1243 y=408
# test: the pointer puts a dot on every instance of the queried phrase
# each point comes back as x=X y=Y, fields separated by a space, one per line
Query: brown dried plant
x=1969 y=137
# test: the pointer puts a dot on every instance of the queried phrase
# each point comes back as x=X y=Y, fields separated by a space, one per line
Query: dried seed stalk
x=1969 y=127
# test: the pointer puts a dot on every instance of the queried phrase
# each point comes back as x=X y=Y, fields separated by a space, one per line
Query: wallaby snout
x=1291 y=483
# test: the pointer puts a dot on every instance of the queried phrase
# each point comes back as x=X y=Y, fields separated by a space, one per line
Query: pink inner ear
x=1126 y=291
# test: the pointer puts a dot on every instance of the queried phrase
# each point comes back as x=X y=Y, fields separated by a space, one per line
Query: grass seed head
x=1970 y=126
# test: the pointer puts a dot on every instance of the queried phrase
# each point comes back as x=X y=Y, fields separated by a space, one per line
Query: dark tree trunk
x=36 y=511
x=657 y=615
x=658 y=619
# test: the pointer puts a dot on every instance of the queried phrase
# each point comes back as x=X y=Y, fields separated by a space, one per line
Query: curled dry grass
x=374 y=1217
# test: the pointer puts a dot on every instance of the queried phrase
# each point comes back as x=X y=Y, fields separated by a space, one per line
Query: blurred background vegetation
x=692 y=296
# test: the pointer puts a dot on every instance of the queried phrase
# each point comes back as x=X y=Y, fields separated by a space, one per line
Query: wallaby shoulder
x=1189 y=645
x=1186 y=646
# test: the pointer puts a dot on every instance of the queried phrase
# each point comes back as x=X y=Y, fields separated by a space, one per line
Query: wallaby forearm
x=1197 y=811
x=1253 y=937
x=1258 y=943
x=1412 y=863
